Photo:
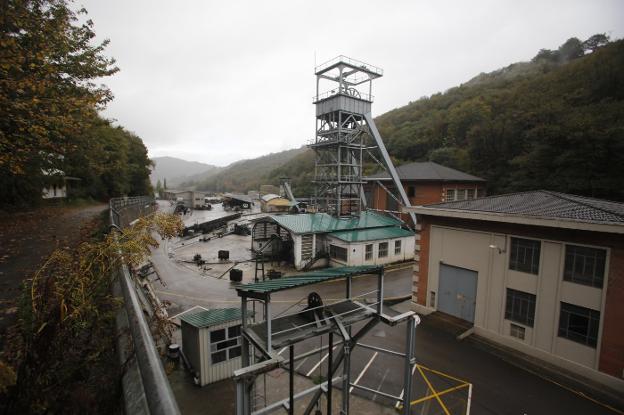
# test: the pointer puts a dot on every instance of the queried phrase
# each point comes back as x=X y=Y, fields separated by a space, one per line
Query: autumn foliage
x=64 y=343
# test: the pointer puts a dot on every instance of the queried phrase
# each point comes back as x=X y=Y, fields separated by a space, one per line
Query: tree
x=596 y=41
x=159 y=188
x=165 y=183
x=571 y=49
x=47 y=92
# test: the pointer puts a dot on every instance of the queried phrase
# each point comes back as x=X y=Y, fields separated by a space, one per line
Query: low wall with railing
x=146 y=389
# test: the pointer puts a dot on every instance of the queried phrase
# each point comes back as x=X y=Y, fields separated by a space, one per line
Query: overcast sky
x=219 y=81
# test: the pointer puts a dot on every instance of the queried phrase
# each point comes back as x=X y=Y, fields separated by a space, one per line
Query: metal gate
x=457 y=292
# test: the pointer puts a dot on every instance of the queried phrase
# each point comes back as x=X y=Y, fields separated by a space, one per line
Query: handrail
x=156 y=387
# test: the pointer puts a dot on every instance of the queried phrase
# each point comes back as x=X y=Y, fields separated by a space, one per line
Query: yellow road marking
x=444 y=392
x=444 y=374
x=435 y=394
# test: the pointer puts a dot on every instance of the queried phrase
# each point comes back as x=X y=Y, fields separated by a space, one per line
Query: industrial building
x=541 y=272
x=211 y=343
x=424 y=183
x=318 y=239
x=189 y=198
x=272 y=203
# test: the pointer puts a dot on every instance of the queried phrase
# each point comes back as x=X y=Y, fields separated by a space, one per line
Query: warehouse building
x=539 y=271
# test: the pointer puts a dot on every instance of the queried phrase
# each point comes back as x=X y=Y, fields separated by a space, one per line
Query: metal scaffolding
x=261 y=341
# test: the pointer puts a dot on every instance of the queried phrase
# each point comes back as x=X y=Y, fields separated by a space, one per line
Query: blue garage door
x=457 y=293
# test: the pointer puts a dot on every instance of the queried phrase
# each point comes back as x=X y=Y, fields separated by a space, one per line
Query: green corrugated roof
x=322 y=222
x=213 y=317
x=374 y=234
x=312 y=277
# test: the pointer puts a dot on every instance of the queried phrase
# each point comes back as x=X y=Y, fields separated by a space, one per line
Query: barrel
x=236 y=275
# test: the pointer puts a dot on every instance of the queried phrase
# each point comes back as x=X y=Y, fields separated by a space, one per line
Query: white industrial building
x=211 y=343
x=539 y=271
x=319 y=239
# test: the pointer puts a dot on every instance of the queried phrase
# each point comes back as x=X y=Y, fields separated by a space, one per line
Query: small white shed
x=211 y=343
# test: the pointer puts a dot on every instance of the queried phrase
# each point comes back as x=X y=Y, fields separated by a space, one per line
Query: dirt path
x=26 y=239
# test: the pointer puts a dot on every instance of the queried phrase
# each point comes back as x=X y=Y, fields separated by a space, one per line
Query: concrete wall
x=466 y=244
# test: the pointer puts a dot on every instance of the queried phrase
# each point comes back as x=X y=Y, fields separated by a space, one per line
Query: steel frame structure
x=345 y=132
x=333 y=325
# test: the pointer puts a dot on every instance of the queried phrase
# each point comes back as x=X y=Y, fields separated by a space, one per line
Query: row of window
x=583 y=265
x=576 y=323
x=463 y=194
x=225 y=344
x=340 y=253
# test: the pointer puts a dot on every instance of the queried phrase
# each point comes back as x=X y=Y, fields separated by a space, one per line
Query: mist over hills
x=176 y=170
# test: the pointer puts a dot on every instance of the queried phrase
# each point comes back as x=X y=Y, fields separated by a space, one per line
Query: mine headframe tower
x=345 y=134
x=340 y=133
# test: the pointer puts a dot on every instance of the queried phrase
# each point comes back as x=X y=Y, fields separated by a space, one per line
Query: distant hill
x=245 y=175
x=176 y=170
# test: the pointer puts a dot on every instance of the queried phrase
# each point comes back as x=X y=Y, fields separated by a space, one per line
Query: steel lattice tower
x=341 y=129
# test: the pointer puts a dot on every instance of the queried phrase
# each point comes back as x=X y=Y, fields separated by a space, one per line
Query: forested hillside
x=556 y=122
x=245 y=175
x=49 y=101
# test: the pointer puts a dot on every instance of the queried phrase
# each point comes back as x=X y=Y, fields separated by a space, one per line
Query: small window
x=397 y=247
x=225 y=344
x=338 y=252
x=369 y=252
x=461 y=194
x=524 y=255
x=218 y=357
x=450 y=195
x=579 y=324
x=470 y=193
x=217 y=335
x=520 y=307
x=383 y=250
x=584 y=265
x=234 y=352
x=411 y=191
x=517 y=331
x=234 y=331
x=481 y=192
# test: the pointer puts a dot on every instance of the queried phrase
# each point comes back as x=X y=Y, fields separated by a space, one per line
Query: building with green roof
x=319 y=239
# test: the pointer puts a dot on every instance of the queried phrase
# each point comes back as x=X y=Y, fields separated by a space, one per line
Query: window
x=525 y=255
x=369 y=252
x=338 y=252
x=225 y=344
x=579 y=324
x=461 y=194
x=397 y=247
x=470 y=193
x=383 y=250
x=584 y=265
x=391 y=203
x=481 y=193
x=520 y=307
x=517 y=331
x=450 y=195
x=411 y=191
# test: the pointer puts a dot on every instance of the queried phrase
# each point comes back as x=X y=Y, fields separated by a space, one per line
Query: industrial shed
x=273 y=203
x=211 y=343
x=319 y=239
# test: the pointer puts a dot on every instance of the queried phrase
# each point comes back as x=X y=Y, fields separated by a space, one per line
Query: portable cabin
x=211 y=343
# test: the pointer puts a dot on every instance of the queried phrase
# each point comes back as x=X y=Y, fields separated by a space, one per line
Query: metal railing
x=346 y=92
x=351 y=62
x=153 y=388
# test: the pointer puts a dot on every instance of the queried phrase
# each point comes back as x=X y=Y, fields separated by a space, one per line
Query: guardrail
x=149 y=391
